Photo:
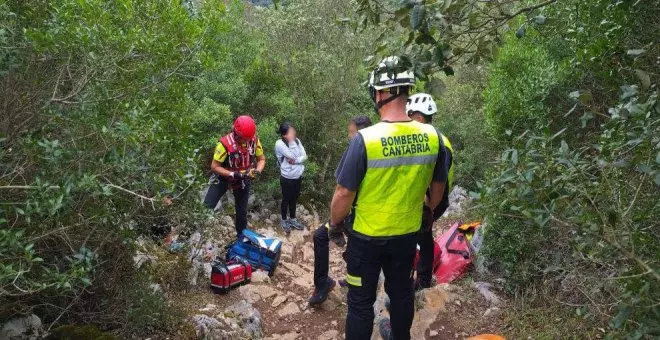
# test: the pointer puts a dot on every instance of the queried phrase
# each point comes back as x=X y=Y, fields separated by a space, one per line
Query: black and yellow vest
x=401 y=157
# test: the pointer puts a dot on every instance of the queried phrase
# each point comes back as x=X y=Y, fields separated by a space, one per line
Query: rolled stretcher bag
x=456 y=255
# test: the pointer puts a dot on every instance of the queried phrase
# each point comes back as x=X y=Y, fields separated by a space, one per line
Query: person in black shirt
x=323 y=284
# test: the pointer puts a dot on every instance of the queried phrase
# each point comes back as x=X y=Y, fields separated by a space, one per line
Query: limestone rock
x=227 y=221
x=492 y=312
x=278 y=300
x=294 y=268
x=268 y=232
x=433 y=333
x=289 y=309
x=485 y=289
x=28 y=327
x=249 y=317
x=286 y=249
x=286 y=336
x=305 y=281
x=260 y=276
x=207 y=327
x=435 y=299
x=156 y=288
x=329 y=335
x=208 y=308
x=140 y=259
x=296 y=237
x=254 y=293
x=457 y=199
x=308 y=253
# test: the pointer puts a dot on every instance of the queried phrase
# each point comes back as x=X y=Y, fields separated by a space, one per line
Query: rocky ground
x=276 y=307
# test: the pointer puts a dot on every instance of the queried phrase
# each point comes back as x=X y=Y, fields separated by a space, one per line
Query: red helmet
x=244 y=127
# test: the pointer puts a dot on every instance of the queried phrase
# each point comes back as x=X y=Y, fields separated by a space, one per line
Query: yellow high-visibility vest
x=450 y=176
x=401 y=157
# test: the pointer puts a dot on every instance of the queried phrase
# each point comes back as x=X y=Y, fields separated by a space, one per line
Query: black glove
x=238 y=176
x=427 y=219
x=336 y=233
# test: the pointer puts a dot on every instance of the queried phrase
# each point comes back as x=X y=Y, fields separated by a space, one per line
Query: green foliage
x=598 y=204
x=76 y=333
x=572 y=202
x=436 y=35
x=519 y=84
x=104 y=128
x=316 y=83
x=460 y=118
x=113 y=107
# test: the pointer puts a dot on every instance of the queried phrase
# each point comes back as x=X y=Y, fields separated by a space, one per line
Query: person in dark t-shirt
x=322 y=282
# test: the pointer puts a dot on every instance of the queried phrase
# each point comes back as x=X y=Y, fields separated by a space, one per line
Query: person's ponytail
x=284 y=128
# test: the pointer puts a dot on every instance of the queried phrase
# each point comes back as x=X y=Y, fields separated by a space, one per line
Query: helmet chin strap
x=380 y=104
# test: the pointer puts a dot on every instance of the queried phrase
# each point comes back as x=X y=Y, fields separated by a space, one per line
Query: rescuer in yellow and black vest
x=389 y=167
x=421 y=107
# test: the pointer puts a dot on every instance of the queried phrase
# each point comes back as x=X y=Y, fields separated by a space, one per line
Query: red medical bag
x=225 y=276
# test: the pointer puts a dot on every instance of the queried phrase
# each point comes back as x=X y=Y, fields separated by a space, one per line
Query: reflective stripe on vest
x=401 y=158
x=450 y=176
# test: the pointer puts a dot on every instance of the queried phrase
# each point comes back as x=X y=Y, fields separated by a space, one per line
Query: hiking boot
x=285 y=226
x=295 y=224
x=320 y=295
x=385 y=329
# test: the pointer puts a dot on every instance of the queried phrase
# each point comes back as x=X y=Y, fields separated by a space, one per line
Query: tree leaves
x=417 y=16
x=435 y=87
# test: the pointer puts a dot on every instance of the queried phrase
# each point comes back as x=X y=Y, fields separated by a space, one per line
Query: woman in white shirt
x=290 y=155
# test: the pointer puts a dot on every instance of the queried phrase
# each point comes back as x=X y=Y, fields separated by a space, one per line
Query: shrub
x=581 y=220
x=519 y=83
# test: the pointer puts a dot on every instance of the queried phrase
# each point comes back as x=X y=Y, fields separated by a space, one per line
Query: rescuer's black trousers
x=321 y=257
x=218 y=188
x=425 y=264
x=364 y=261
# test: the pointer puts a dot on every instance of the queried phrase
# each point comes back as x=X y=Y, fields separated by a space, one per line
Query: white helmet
x=389 y=74
x=421 y=102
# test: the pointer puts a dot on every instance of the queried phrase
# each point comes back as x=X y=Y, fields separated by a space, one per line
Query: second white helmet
x=421 y=102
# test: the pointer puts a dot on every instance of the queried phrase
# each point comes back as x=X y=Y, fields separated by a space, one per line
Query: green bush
x=552 y=209
x=519 y=84
x=105 y=127
x=460 y=118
